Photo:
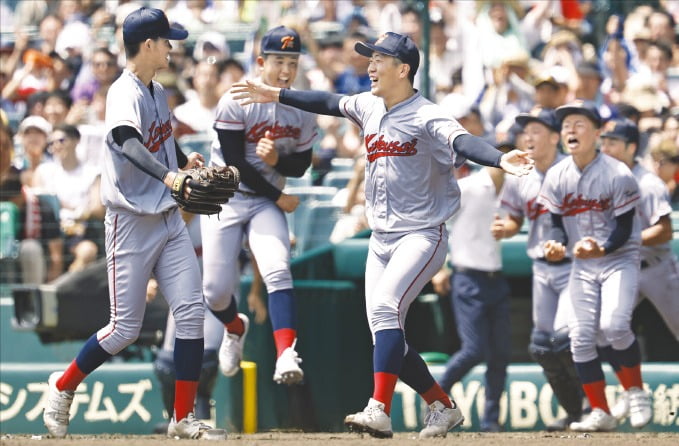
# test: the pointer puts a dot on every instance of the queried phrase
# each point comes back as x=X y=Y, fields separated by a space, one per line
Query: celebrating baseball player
x=592 y=199
x=267 y=142
x=410 y=192
x=145 y=234
x=549 y=341
x=659 y=275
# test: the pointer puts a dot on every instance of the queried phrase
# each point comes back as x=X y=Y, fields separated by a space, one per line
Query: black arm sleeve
x=621 y=232
x=557 y=232
x=295 y=164
x=320 y=102
x=477 y=150
x=181 y=158
x=235 y=156
x=133 y=149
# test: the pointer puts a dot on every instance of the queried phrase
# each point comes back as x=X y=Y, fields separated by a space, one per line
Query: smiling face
x=278 y=70
x=385 y=73
x=579 y=134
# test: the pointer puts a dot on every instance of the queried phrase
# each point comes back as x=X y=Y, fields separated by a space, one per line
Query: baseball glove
x=210 y=188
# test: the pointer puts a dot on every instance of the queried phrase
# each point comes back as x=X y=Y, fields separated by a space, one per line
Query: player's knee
x=216 y=292
x=619 y=334
x=278 y=279
x=540 y=344
x=561 y=340
x=383 y=316
x=189 y=318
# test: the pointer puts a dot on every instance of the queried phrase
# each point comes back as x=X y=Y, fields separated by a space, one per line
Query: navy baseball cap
x=281 y=40
x=150 y=23
x=394 y=45
x=544 y=116
x=580 y=107
x=623 y=129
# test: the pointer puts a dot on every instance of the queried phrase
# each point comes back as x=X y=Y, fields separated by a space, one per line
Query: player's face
x=539 y=141
x=279 y=70
x=160 y=53
x=384 y=73
x=618 y=149
x=578 y=134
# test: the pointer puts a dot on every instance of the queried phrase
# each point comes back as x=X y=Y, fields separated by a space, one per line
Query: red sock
x=71 y=378
x=596 y=395
x=630 y=377
x=236 y=326
x=384 y=389
x=185 y=397
x=284 y=337
x=436 y=393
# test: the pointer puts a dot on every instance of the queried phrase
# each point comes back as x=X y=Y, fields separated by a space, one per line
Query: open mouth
x=373 y=81
x=572 y=142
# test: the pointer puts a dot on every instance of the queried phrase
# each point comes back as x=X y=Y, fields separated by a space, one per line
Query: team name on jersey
x=157 y=135
x=258 y=130
x=534 y=209
x=380 y=147
x=577 y=205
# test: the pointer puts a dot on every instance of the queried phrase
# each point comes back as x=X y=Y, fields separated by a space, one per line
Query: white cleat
x=231 y=350
x=373 y=420
x=620 y=409
x=639 y=407
x=288 y=370
x=55 y=415
x=193 y=429
x=441 y=419
x=596 y=421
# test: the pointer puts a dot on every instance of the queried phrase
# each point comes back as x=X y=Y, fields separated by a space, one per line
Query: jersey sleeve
x=550 y=195
x=625 y=193
x=510 y=200
x=230 y=114
x=655 y=201
x=123 y=107
x=355 y=106
x=442 y=132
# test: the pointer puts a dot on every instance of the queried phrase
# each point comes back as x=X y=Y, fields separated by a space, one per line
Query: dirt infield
x=341 y=439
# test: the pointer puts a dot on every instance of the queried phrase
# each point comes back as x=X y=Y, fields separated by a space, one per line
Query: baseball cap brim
x=175 y=34
x=564 y=111
x=524 y=119
x=367 y=49
x=614 y=136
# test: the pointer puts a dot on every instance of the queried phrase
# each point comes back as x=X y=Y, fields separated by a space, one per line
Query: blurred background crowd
x=483 y=61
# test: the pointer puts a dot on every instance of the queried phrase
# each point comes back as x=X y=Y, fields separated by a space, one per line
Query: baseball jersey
x=654 y=203
x=409 y=181
x=124 y=186
x=519 y=197
x=591 y=199
x=293 y=130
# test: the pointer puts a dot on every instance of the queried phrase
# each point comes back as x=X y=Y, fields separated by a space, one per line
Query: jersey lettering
x=534 y=209
x=158 y=135
x=258 y=130
x=580 y=204
x=380 y=147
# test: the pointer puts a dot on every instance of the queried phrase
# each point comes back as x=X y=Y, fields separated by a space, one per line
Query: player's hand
x=266 y=149
x=587 y=248
x=195 y=160
x=287 y=203
x=250 y=92
x=151 y=290
x=441 y=282
x=517 y=163
x=257 y=306
x=554 y=251
x=497 y=228
x=169 y=180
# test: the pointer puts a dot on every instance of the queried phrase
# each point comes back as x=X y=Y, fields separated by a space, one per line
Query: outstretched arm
x=476 y=149
x=320 y=102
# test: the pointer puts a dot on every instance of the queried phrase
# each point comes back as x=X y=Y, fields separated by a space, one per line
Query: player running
x=266 y=142
x=412 y=146
x=145 y=233
x=592 y=199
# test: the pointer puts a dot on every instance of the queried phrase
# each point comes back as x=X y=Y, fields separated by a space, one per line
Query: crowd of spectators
x=487 y=61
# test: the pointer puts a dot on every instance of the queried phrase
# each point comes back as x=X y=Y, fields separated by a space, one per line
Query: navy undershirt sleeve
x=476 y=149
x=621 y=233
x=557 y=232
x=295 y=164
x=181 y=158
x=234 y=141
x=320 y=102
x=133 y=149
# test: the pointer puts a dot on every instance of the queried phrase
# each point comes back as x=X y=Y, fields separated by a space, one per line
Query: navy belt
x=558 y=262
x=478 y=272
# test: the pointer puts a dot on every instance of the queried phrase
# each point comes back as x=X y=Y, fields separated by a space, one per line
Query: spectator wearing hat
x=551 y=88
x=33 y=133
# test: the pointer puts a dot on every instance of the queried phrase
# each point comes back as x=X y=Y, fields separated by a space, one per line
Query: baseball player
x=145 y=233
x=267 y=142
x=659 y=275
x=549 y=341
x=592 y=199
x=410 y=192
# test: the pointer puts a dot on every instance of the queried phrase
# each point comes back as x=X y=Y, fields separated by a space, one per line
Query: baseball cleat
x=621 y=408
x=639 y=407
x=288 y=370
x=596 y=421
x=231 y=350
x=441 y=419
x=372 y=420
x=562 y=424
x=55 y=415
x=191 y=428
